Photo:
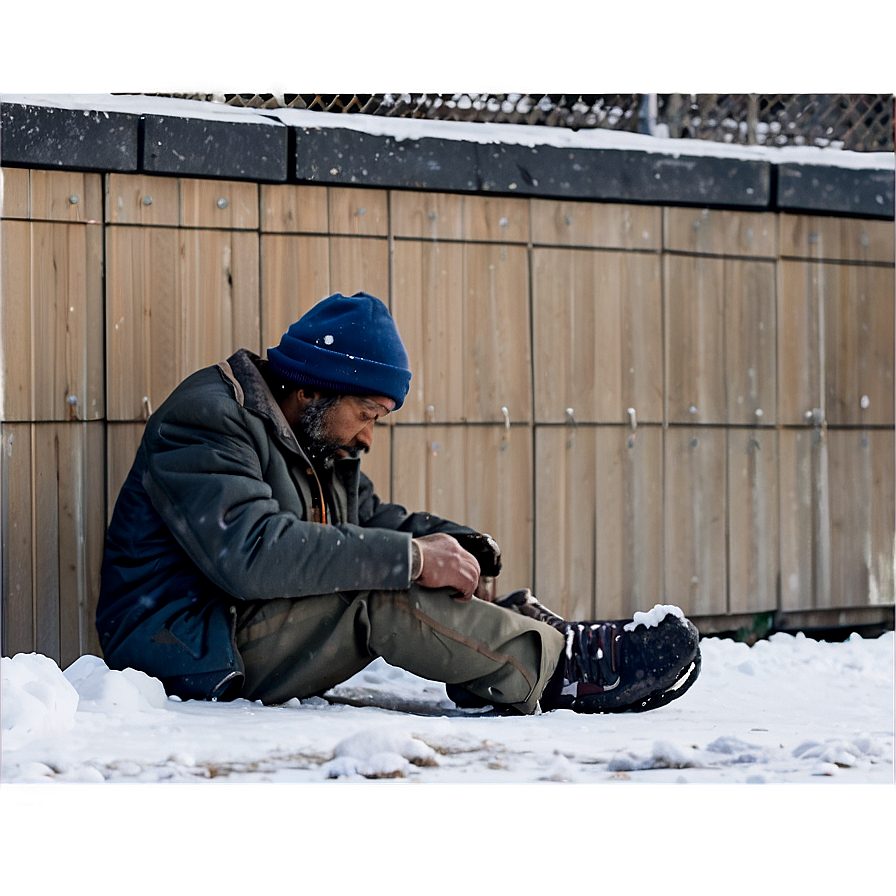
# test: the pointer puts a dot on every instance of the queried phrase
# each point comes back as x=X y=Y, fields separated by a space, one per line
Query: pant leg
x=295 y=648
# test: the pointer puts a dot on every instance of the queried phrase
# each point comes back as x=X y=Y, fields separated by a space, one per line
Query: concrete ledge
x=45 y=137
x=191 y=139
x=819 y=188
x=200 y=147
x=342 y=155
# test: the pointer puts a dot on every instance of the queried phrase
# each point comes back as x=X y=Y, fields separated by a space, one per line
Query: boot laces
x=592 y=654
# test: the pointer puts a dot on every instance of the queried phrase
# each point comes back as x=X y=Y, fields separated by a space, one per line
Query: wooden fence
x=641 y=403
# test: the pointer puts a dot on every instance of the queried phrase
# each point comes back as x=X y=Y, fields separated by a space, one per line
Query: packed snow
x=788 y=709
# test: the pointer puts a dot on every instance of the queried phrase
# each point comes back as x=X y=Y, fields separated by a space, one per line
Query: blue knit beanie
x=348 y=345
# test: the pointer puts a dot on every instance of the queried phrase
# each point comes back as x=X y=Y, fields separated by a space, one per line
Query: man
x=249 y=556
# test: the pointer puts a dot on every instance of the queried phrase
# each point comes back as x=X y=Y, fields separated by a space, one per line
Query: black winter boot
x=625 y=666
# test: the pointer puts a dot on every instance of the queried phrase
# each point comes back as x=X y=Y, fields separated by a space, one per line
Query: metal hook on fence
x=147 y=408
x=506 y=436
x=816 y=417
x=571 y=421
x=633 y=423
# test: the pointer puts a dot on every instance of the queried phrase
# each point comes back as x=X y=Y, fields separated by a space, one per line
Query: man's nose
x=365 y=436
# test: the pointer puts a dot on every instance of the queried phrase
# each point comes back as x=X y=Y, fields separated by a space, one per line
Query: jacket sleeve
x=204 y=477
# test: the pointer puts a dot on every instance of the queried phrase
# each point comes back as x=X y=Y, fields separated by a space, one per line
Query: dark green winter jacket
x=217 y=510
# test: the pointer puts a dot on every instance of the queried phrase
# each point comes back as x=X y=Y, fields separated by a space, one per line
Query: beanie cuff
x=342 y=373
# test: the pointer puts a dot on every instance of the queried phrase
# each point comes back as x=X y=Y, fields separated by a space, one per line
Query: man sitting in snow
x=248 y=555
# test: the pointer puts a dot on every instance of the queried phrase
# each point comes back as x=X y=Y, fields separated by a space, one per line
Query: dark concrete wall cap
x=341 y=155
x=205 y=148
x=866 y=192
x=42 y=136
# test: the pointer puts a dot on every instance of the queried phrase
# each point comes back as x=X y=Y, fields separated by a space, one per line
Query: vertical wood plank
x=142 y=199
x=719 y=232
x=71 y=461
x=823 y=237
x=428 y=306
x=750 y=344
x=225 y=204
x=46 y=540
x=428 y=469
x=499 y=219
x=93 y=532
x=478 y=476
x=695 y=335
x=295 y=275
x=142 y=285
x=15 y=193
x=219 y=296
x=294 y=208
x=595 y=224
x=496 y=367
x=695 y=517
x=71 y=196
x=881 y=445
x=434 y=216
x=499 y=498
x=753 y=561
x=358 y=211
x=15 y=316
x=800 y=365
x=850 y=485
x=562 y=379
x=805 y=519
x=862 y=503
x=566 y=519
x=359 y=264
x=121 y=443
x=16 y=514
x=67 y=340
x=859 y=326
x=629 y=524
x=597 y=319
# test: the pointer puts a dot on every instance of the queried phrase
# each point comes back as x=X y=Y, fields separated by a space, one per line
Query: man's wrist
x=416 y=561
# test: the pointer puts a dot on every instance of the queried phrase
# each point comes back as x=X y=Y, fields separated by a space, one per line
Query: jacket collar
x=242 y=370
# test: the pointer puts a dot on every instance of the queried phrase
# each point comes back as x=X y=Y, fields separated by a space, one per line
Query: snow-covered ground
x=788 y=710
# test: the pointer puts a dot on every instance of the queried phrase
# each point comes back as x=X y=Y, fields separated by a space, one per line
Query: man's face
x=342 y=425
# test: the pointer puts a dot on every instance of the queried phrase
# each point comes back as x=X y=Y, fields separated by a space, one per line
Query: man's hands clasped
x=448 y=565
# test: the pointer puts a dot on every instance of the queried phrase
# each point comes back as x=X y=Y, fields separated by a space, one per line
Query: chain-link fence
x=861 y=122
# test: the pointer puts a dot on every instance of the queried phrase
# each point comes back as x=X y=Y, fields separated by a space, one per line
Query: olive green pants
x=298 y=647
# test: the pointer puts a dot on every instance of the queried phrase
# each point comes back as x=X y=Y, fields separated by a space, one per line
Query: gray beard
x=315 y=431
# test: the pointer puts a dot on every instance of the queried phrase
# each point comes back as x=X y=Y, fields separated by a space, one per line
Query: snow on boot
x=524 y=602
x=625 y=666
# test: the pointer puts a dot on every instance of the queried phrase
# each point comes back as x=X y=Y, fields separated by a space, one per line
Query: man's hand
x=447 y=565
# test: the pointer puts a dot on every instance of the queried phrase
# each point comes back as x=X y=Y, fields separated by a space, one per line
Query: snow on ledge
x=532 y=136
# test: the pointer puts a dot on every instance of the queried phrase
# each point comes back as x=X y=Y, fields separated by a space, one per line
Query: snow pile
x=37 y=701
x=379 y=753
x=105 y=690
x=653 y=617
x=789 y=709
